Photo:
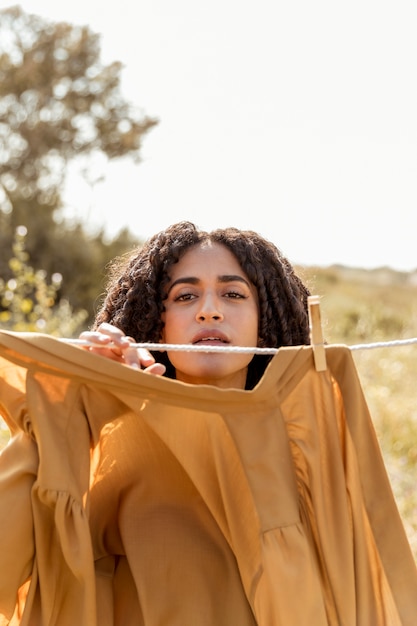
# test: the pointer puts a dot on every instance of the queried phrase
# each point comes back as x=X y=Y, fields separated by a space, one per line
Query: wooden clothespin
x=316 y=333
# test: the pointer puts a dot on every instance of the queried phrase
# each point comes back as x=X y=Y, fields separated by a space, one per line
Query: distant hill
x=364 y=304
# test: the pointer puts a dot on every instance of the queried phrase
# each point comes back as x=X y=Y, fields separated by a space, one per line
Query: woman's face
x=210 y=301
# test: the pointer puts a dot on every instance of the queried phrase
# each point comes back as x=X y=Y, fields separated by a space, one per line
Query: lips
x=209 y=337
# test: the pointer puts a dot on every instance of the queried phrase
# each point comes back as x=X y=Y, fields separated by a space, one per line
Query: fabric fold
x=150 y=501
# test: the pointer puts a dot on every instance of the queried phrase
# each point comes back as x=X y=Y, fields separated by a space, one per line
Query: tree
x=57 y=102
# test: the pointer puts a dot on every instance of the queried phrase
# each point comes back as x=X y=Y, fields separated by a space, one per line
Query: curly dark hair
x=136 y=287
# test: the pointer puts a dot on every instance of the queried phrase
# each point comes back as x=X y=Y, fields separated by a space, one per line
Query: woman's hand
x=112 y=343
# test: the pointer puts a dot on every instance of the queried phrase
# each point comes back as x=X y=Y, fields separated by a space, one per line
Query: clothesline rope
x=162 y=347
x=384 y=344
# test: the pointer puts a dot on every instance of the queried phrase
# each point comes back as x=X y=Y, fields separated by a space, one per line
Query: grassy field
x=362 y=307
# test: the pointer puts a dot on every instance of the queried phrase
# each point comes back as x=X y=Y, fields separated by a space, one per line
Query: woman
x=185 y=286
x=235 y=494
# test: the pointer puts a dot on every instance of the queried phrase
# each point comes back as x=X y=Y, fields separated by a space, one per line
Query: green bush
x=28 y=303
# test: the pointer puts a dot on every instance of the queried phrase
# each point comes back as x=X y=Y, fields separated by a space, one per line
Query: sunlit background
x=295 y=119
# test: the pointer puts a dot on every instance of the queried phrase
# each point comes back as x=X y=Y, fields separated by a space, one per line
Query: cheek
x=172 y=327
x=252 y=326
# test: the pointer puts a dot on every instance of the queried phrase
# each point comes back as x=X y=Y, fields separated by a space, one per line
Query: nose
x=209 y=309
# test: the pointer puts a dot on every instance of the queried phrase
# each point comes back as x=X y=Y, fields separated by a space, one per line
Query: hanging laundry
x=130 y=499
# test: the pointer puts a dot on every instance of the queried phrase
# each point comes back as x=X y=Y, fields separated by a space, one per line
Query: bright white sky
x=296 y=118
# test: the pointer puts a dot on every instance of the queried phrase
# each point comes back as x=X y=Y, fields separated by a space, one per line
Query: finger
x=157 y=369
x=95 y=337
x=145 y=357
x=140 y=356
x=116 y=335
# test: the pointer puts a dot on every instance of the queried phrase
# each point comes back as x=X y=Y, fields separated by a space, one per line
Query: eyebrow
x=224 y=278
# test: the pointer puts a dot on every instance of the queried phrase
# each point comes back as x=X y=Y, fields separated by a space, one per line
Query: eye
x=234 y=295
x=184 y=297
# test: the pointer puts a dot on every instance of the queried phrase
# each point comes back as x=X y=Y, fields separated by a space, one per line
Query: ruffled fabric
x=130 y=500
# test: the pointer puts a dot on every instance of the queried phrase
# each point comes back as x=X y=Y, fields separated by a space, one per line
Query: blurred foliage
x=31 y=304
x=58 y=103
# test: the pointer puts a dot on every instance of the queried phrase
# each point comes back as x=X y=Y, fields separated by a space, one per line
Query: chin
x=210 y=368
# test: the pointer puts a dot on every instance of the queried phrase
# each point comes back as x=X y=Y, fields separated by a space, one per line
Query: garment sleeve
x=18 y=469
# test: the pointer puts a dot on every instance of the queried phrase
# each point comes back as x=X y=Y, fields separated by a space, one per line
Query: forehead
x=207 y=257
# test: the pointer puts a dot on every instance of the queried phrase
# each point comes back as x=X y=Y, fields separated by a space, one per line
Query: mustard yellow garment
x=132 y=500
